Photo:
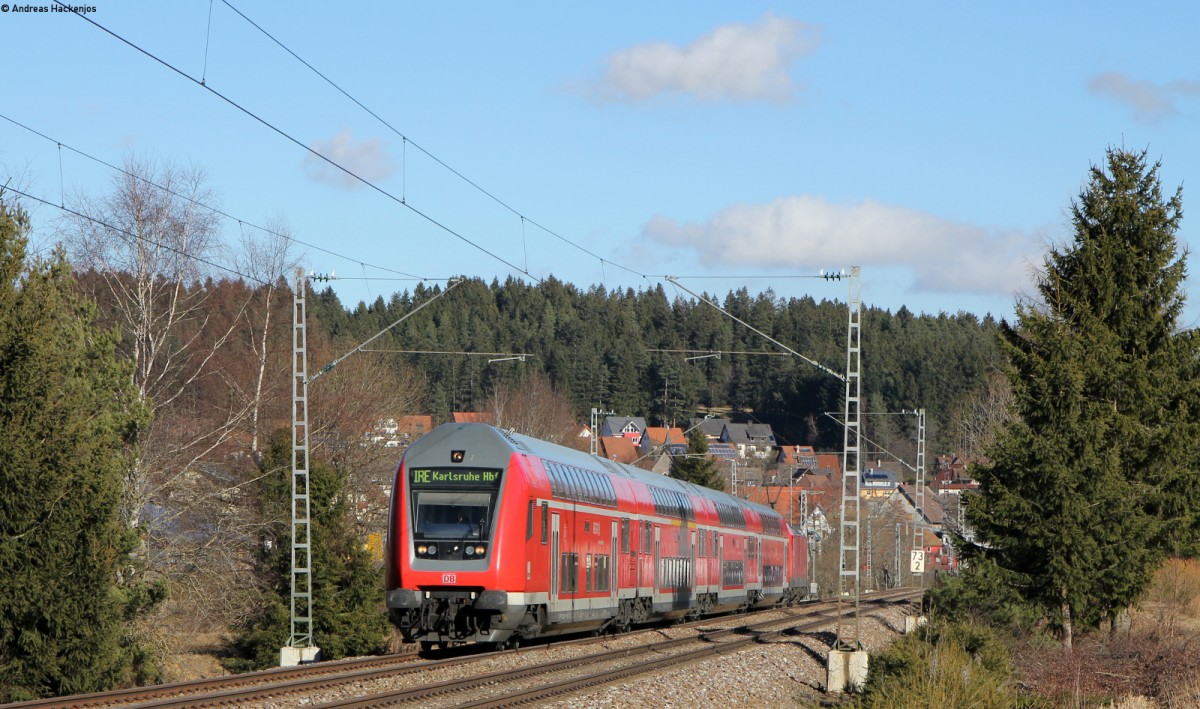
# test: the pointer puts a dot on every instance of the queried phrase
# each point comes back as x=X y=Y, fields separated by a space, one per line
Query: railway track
x=558 y=678
x=539 y=680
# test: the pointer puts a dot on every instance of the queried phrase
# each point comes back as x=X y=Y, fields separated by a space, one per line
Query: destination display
x=454 y=477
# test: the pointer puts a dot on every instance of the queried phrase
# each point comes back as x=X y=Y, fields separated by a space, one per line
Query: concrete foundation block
x=291 y=656
x=912 y=622
x=845 y=670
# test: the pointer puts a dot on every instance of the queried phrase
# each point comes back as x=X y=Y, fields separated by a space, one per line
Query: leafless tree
x=269 y=257
x=145 y=246
x=534 y=408
x=980 y=416
x=347 y=404
x=148 y=240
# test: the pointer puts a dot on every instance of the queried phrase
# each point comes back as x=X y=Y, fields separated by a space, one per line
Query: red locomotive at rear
x=495 y=537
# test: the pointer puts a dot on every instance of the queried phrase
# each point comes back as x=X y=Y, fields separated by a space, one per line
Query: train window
x=609 y=492
x=452 y=515
x=589 y=486
x=555 y=482
x=602 y=575
x=587 y=527
x=701 y=542
x=587 y=573
x=574 y=487
x=568 y=579
x=545 y=521
x=624 y=535
x=647 y=535
x=529 y=522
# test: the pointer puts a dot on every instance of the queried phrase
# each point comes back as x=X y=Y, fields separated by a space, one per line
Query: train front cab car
x=494 y=537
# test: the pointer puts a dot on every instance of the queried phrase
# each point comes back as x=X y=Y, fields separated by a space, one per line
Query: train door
x=657 y=558
x=614 y=566
x=554 y=560
x=691 y=576
x=720 y=560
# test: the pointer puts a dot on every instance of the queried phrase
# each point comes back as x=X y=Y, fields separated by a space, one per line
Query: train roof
x=481 y=438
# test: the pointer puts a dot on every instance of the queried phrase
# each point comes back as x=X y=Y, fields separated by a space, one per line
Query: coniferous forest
x=639 y=353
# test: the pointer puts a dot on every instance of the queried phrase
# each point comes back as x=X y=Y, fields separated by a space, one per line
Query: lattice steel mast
x=848 y=574
x=302 y=597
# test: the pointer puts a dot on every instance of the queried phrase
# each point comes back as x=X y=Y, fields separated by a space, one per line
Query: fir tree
x=69 y=424
x=348 y=609
x=696 y=467
x=1086 y=490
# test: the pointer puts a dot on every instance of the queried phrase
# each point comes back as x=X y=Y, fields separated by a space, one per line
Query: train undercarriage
x=441 y=618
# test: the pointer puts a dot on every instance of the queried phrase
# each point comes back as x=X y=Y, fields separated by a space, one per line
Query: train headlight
x=433 y=549
x=422 y=549
x=470 y=550
x=479 y=550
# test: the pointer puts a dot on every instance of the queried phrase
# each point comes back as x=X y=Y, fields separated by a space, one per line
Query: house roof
x=613 y=425
x=932 y=509
x=786 y=499
x=760 y=432
x=619 y=449
x=749 y=434
x=878 y=477
x=416 y=425
x=472 y=417
x=721 y=450
x=658 y=436
x=712 y=428
x=802 y=456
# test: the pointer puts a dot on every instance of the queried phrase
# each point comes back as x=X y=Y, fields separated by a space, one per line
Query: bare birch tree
x=269 y=256
x=145 y=245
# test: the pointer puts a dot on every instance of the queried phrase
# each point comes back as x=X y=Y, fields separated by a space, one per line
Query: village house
x=624 y=427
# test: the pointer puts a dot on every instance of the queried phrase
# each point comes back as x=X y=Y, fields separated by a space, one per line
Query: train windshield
x=453 y=514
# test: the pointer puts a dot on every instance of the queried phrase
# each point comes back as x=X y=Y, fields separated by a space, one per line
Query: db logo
x=449 y=578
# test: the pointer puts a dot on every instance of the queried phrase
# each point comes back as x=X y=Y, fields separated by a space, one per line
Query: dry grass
x=1155 y=664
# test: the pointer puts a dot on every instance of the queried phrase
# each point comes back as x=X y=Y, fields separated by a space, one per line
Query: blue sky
x=935 y=145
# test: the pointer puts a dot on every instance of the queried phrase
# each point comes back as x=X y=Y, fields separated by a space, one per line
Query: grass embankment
x=1152 y=661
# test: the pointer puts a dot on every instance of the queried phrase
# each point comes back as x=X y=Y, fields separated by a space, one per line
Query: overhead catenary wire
x=131 y=235
x=287 y=136
x=406 y=141
x=675 y=281
x=880 y=446
x=359 y=178
x=449 y=287
x=193 y=200
x=452 y=352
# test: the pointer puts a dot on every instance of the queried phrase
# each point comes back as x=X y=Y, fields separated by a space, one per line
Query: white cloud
x=737 y=62
x=366 y=158
x=808 y=232
x=1150 y=101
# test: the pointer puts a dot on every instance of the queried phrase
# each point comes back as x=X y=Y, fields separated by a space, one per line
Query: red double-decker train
x=495 y=537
